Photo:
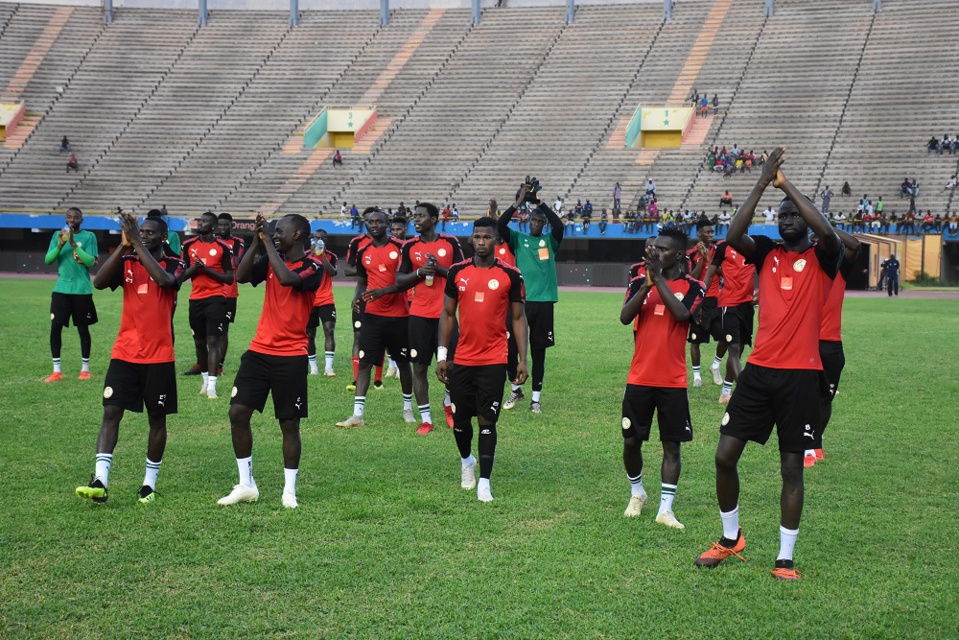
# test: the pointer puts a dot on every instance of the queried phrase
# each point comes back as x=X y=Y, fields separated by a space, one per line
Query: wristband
x=441 y=353
x=417 y=273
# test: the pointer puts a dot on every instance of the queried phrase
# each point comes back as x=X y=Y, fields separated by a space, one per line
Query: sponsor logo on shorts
x=299 y=403
x=233 y=393
x=626 y=423
x=107 y=392
x=725 y=418
x=161 y=401
x=809 y=433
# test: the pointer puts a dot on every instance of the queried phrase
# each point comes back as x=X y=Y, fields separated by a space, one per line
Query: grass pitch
x=385 y=543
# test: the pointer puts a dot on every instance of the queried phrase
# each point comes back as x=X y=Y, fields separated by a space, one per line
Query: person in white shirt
x=650 y=188
x=770 y=215
x=558 y=206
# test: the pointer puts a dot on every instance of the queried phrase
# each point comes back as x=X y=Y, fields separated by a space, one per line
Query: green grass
x=385 y=543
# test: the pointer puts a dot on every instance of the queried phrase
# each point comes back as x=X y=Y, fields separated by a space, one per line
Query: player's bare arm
x=736 y=235
x=632 y=306
x=520 y=330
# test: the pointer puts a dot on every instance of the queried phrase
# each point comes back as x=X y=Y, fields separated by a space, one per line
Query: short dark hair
x=302 y=224
x=678 y=235
x=225 y=216
x=154 y=213
x=371 y=210
x=486 y=222
x=399 y=219
x=208 y=213
x=703 y=222
x=160 y=222
x=79 y=213
x=430 y=209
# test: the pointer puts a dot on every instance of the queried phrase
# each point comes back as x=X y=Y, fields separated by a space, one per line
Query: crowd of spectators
x=946 y=144
x=729 y=161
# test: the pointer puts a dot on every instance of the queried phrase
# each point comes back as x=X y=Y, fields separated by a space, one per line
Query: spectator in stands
x=641 y=204
x=602 y=222
x=715 y=103
x=726 y=200
x=912 y=204
x=711 y=159
x=770 y=215
x=928 y=222
x=877 y=210
x=955 y=143
x=846 y=190
x=945 y=145
x=343 y=210
x=763 y=158
x=617 y=196
x=650 y=188
x=704 y=106
x=826 y=199
x=653 y=210
x=523 y=214
x=455 y=214
x=951 y=184
x=446 y=216
x=954 y=224
x=723 y=222
x=492 y=210
x=65 y=144
x=883 y=223
x=558 y=206
x=337 y=158
x=904 y=188
x=355 y=219
x=73 y=164
x=748 y=159
x=932 y=145
x=587 y=215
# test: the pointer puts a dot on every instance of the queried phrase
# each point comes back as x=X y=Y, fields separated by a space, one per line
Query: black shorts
x=786 y=398
x=738 y=324
x=285 y=376
x=539 y=317
x=477 y=391
x=322 y=315
x=130 y=385
x=358 y=316
x=710 y=324
x=425 y=337
x=208 y=317
x=79 y=307
x=379 y=333
x=833 y=362
x=672 y=413
x=231 y=310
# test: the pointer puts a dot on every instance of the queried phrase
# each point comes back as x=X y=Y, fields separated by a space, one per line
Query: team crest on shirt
x=441 y=253
x=679 y=295
x=799 y=265
x=393 y=255
x=542 y=243
x=502 y=251
x=493 y=285
x=212 y=252
x=626 y=423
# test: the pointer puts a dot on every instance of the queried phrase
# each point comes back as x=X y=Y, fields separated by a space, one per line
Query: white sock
x=329 y=360
x=516 y=387
x=359 y=406
x=312 y=360
x=211 y=383
x=716 y=362
x=85 y=364
x=787 y=540
x=245 y=465
x=390 y=364
x=446 y=398
x=636 y=485
x=727 y=387
x=290 y=476
x=810 y=452
x=730 y=523
x=407 y=401
x=150 y=477
x=56 y=365
x=104 y=460
x=536 y=395
x=206 y=376
x=666 y=497
x=468 y=461
x=425 y=413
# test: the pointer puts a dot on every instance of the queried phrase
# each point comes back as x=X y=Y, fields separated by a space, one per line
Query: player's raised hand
x=129 y=226
x=702 y=249
x=521 y=197
x=260 y=226
x=771 y=168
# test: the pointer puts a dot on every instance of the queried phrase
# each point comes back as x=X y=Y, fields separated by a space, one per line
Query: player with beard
x=782 y=383
x=275 y=362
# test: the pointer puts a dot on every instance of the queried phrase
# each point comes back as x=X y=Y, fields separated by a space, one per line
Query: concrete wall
x=307 y=5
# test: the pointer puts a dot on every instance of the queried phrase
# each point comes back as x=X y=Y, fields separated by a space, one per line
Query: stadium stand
x=161 y=111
